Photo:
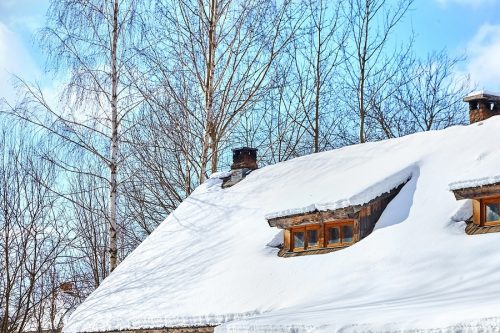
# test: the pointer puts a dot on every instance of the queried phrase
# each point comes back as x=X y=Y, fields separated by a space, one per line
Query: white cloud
x=14 y=60
x=23 y=14
x=19 y=20
x=483 y=62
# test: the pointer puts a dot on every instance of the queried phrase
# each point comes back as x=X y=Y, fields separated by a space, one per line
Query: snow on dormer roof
x=485 y=170
x=367 y=194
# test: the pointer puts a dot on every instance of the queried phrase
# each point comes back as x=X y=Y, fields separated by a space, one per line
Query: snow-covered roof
x=208 y=263
x=485 y=170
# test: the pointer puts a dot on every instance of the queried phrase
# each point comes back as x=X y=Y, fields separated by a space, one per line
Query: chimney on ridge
x=482 y=105
x=244 y=162
x=244 y=158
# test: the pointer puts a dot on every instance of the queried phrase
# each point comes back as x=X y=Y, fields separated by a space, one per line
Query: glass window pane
x=347 y=234
x=312 y=238
x=492 y=212
x=333 y=236
x=298 y=239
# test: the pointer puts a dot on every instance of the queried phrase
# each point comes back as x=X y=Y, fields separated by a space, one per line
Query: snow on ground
x=209 y=263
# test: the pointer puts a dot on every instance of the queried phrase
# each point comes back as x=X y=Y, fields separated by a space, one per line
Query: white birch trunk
x=209 y=97
x=113 y=249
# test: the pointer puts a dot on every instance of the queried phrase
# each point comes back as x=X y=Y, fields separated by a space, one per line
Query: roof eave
x=477 y=192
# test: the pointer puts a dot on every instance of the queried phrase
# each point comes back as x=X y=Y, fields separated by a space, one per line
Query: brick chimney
x=244 y=158
x=244 y=162
x=482 y=105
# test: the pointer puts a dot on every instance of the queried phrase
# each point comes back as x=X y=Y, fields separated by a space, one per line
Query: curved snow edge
x=462 y=184
x=490 y=324
x=365 y=196
x=160 y=323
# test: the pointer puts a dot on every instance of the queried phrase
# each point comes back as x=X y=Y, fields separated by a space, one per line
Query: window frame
x=292 y=239
x=339 y=225
x=322 y=232
x=484 y=202
x=327 y=228
x=304 y=229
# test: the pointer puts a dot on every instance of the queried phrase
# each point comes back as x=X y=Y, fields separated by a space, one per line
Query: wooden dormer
x=485 y=207
x=316 y=232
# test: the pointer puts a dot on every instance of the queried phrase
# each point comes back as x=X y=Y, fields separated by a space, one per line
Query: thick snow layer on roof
x=209 y=262
x=485 y=170
x=387 y=183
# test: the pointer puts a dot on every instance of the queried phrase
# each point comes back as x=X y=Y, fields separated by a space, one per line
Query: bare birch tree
x=213 y=59
x=370 y=64
x=31 y=238
x=299 y=115
x=427 y=96
x=87 y=210
x=92 y=42
x=433 y=99
x=317 y=58
x=278 y=126
x=161 y=174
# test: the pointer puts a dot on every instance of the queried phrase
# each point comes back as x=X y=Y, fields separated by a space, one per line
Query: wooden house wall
x=356 y=230
x=370 y=214
x=476 y=212
x=321 y=234
x=286 y=254
x=288 y=243
x=474 y=229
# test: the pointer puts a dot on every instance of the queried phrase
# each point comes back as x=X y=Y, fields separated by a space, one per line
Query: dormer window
x=339 y=234
x=485 y=206
x=334 y=234
x=491 y=210
x=305 y=238
x=325 y=231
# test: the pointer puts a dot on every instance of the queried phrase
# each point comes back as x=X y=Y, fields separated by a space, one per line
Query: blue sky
x=470 y=27
x=463 y=27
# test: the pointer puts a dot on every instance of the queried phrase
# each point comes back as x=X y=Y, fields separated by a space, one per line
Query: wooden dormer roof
x=315 y=215
x=476 y=192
